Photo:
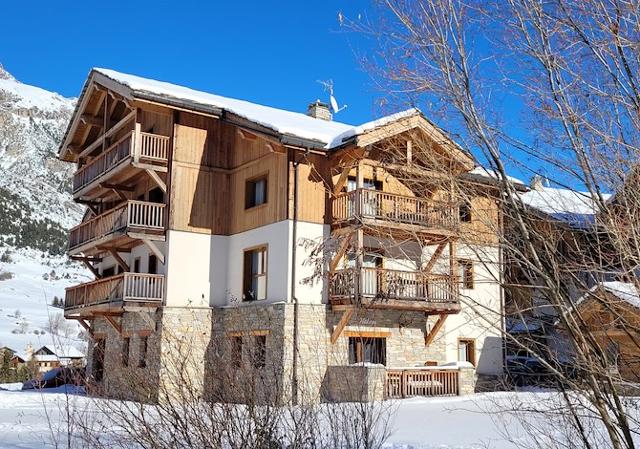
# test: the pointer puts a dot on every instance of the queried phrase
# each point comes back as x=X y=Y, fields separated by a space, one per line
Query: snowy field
x=477 y=421
x=25 y=300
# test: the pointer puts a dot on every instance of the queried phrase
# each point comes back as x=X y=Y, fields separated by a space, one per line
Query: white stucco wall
x=141 y=251
x=207 y=270
x=481 y=316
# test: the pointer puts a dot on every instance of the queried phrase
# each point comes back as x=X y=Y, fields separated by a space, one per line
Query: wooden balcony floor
x=394 y=229
x=396 y=304
x=124 y=240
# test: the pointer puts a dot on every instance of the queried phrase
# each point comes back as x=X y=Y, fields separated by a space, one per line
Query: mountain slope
x=34 y=185
x=36 y=212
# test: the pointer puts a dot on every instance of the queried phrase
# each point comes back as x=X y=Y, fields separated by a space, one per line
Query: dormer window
x=255 y=192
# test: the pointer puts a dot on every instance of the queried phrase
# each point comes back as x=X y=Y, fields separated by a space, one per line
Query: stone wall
x=358 y=383
x=191 y=348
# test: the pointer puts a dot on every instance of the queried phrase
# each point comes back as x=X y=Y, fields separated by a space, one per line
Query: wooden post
x=137 y=142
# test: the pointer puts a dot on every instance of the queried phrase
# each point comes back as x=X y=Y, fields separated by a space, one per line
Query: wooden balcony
x=389 y=210
x=118 y=226
x=395 y=289
x=114 y=294
x=133 y=149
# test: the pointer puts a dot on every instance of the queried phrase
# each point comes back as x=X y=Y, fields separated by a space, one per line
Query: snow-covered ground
x=35 y=280
x=478 y=421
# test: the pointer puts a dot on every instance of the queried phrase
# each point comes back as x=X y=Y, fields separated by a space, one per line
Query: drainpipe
x=294 y=238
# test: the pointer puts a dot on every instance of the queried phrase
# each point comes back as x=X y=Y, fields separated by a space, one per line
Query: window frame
x=143 y=348
x=246 y=276
x=236 y=344
x=126 y=349
x=467 y=274
x=470 y=349
x=259 y=351
x=359 y=354
x=250 y=191
x=465 y=213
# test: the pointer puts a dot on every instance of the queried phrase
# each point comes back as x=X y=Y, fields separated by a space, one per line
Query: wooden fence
x=403 y=383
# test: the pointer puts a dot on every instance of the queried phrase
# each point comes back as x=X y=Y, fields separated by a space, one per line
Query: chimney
x=320 y=110
x=536 y=182
x=29 y=352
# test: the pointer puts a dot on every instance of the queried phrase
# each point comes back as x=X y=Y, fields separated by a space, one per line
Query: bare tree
x=572 y=66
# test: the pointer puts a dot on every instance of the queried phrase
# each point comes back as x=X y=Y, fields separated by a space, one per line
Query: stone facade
x=194 y=348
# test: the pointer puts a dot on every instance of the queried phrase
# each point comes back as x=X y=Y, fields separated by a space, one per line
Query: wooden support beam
x=154 y=249
x=341 y=180
x=156 y=178
x=342 y=249
x=117 y=326
x=120 y=260
x=428 y=338
x=434 y=257
x=91 y=268
x=85 y=325
x=344 y=320
x=246 y=135
x=92 y=120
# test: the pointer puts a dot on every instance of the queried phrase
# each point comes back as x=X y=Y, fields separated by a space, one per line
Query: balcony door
x=369 y=202
x=371 y=265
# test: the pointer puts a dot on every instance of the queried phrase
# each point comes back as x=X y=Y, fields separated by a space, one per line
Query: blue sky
x=268 y=52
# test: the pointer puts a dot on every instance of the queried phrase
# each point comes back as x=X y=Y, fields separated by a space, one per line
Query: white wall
x=481 y=315
x=207 y=270
x=141 y=251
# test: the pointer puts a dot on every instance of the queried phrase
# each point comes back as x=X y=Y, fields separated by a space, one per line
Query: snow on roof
x=330 y=134
x=571 y=206
x=24 y=96
x=623 y=290
x=63 y=351
x=493 y=174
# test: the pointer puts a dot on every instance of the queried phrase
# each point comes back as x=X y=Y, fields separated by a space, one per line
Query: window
x=136 y=265
x=260 y=351
x=142 y=355
x=109 y=271
x=254 y=280
x=466 y=273
x=465 y=212
x=367 y=350
x=467 y=350
x=236 y=352
x=255 y=192
x=97 y=366
x=153 y=264
x=125 y=351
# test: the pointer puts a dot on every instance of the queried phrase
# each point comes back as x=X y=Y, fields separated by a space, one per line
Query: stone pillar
x=466 y=380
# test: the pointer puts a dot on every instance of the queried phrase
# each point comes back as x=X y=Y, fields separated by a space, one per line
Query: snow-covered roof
x=62 y=351
x=329 y=134
x=493 y=175
x=625 y=291
x=571 y=206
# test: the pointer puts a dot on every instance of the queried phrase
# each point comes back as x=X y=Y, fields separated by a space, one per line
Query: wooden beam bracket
x=117 y=326
x=154 y=249
x=120 y=260
x=430 y=336
x=156 y=178
x=344 y=320
x=434 y=257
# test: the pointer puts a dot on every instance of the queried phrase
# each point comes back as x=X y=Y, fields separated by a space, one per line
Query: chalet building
x=48 y=357
x=223 y=234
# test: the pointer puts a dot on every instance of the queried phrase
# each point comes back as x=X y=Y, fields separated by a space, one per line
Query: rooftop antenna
x=328 y=86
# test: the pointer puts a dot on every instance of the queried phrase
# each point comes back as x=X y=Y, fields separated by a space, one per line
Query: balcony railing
x=132 y=214
x=383 y=284
x=122 y=288
x=402 y=383
x=144 y=146
x=389 y=207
